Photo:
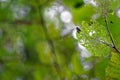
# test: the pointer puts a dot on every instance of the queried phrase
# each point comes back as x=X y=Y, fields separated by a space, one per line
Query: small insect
x=78 y=29
x=75 y=31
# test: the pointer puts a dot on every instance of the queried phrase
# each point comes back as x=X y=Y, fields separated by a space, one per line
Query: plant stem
x=51 y=43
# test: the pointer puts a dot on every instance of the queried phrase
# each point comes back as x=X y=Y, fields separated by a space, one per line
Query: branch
x=17 y=22
x=106 y=43
x=50 y=41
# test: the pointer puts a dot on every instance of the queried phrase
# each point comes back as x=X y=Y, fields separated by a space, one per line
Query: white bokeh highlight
x=74 y=34
x=118 y=12
x=84 y=52
x=19 y=11
x=66 y=17
x=92 y=32
x=50 y=13
x=4 y=0
x=68 y=28
x=92 y=2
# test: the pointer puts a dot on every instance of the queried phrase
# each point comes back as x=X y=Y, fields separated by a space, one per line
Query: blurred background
x=58 y=39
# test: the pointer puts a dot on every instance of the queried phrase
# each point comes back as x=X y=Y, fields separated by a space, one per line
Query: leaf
x=114 y=23
x=113 y=69
x=85 y=13
x=90 y=37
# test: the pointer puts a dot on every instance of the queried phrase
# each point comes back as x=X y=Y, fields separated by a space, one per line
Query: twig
x=106 y=43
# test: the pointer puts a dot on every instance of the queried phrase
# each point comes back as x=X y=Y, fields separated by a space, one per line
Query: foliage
x=36 y=43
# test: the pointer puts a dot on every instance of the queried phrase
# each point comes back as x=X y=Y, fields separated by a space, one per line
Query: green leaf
x=90 y=37
x=113 y=69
